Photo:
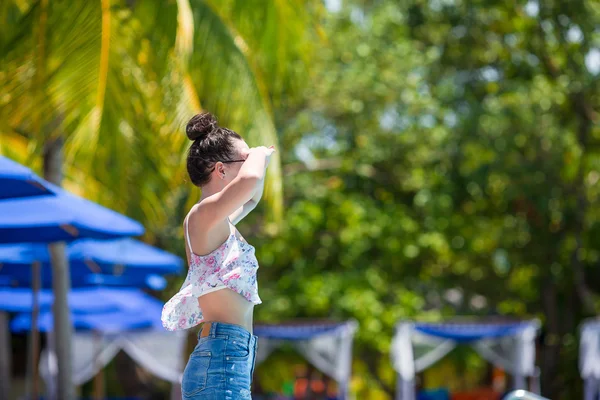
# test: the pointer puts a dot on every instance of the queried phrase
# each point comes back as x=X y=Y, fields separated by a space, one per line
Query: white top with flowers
x=232 y=265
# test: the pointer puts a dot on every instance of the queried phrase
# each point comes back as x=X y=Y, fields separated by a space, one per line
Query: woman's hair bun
x=200 y=126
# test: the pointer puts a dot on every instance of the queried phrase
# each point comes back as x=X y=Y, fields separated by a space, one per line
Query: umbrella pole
x=63 y=328
x=5 y=356
x=61 y=280
x=35 y=334
x=99 y=378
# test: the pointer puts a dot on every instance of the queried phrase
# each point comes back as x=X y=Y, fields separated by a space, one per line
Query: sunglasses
x=232 y=161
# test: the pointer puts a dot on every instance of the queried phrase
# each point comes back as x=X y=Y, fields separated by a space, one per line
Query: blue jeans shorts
x=221 y=365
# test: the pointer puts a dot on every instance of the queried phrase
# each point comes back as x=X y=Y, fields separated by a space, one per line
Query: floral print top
x=232 y=265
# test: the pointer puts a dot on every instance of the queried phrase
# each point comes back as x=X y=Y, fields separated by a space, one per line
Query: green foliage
x=445 y=162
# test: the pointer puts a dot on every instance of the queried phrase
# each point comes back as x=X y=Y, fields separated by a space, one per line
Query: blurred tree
x=522 y=83
x=445 y=161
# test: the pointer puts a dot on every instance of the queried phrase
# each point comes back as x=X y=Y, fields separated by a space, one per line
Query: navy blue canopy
x=17 y=181
x=151 y=281
x=146 y=315
x=17 y=277
x=470 y=332
x=21 y=299
x=61 y=217
x=124 y=262
x=128 y=253
x=298 y=331
x=115 y=321
x=81 y=301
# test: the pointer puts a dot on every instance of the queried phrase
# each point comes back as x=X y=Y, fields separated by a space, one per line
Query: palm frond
x=279 y=47
x=120 y=79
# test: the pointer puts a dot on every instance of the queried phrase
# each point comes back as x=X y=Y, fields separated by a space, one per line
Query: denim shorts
x=221 y=365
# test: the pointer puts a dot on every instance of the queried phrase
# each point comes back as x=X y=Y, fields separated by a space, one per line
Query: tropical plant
x=110 y=83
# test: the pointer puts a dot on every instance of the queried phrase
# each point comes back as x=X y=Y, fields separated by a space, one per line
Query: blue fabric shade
x=81 y=301
x=469 y=332
x=107 y=322
x=124 y=262
x=152 y=281
x=20 y=300
x=63 y=217
x=297 y=331
x=120 y=310
x=17 y=181
x=437 y=394
x=81 y=276
x=128 y=253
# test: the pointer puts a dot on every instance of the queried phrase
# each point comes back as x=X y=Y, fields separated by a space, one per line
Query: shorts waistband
x=214 y=329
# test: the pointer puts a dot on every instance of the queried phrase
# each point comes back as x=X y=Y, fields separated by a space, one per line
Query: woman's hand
x=263 y=150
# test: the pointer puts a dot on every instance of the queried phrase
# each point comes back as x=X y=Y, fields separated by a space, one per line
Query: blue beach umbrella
x=124 y=309
x=126 y=254
x=134 y=311
x=18 y=181
x=17 y=277
x=61 y=217
x=57 y=216
x=91 y=300
x=121 y=262
x=151 y=281
x=108 y=322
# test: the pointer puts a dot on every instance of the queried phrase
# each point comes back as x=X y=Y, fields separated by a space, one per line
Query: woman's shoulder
x=194 y=211
x=196 y=222
x=199 y=214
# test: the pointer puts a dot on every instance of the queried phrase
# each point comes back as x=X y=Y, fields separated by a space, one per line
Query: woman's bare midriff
x=227 y=306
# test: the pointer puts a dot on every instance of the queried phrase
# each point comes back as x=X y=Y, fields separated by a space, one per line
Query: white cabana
x=589 y=358
x=326 y=345
x=124 y=319
x=159 y=352
x=511 y=346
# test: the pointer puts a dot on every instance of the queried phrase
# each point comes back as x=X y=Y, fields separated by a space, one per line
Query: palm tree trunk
x=61 y=283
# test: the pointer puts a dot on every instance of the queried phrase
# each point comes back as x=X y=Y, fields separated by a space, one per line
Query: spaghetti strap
x=187 y=234
x=231 y=266
x=231 y=227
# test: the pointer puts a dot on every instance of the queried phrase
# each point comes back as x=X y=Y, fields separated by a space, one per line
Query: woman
x=220 y=288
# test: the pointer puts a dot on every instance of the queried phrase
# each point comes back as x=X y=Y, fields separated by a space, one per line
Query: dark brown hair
x=212 y=143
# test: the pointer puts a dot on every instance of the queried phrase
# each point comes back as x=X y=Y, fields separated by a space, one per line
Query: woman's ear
x=220 y=168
